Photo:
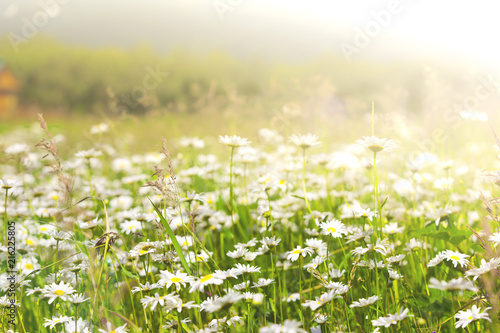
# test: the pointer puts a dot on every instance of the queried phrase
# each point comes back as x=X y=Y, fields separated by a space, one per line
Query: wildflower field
x=275 y=231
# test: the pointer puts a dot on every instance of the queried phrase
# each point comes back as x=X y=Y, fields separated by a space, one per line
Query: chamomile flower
x=297 y=252
x=376 y=144
x=334 y=228
x=304 y=141
x=233 y=141
x=51 y=323
x=485 y=267
x=109 y=329
x=321 y=300
x=247 y=268
x=362 y=302
x=495 y=238
x=270 y=242
x=200 y=283
x=456 y=257
x=454 y=284
x=262 y=283
x=99 y=128
x=289 y=326
x=145 y=287
x=291 y=298
x=129 y=227
x=178 y=279
x=224 y=302
x=153 y=302
x=391 y=319
x=77 y=298
x=61 y=290
x=393 y=228
x=82 y=326
x=468 y=316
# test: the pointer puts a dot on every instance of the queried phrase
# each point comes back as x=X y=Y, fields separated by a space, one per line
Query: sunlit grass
x=129 y=233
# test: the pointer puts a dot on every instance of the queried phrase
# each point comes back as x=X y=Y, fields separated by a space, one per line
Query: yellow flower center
x=455 y=258
x=28 y=266
x=142 y=252
x=43 y=229
x=296 y=252
x=470 y=318
x=113 y=331
x=332 y=230
x=206 y=278
x=29 y=242
x=130 y=227
x=59 y=292
x=175 y=279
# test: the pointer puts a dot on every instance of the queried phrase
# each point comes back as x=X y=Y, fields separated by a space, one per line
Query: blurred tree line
x=84 y=79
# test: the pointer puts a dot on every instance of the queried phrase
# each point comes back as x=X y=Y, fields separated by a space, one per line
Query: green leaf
x=383 y=203
x=172 y=238
x=129 y=274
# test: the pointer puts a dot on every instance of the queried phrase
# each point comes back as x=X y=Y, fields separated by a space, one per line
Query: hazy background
x=231 y=66
x=279 y=30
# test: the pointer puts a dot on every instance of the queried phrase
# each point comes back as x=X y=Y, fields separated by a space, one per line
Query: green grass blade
x=172 y=238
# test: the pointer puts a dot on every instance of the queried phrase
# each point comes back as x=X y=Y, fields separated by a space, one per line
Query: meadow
x=198 y=223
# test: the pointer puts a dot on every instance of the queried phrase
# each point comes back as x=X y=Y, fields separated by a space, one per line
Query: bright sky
x=276 y=29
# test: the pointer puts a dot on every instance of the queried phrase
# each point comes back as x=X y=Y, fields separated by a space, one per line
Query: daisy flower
x=436 y=260
x=270 y=242
x=82 y=326
x=129 y=227
x=178 y=279
x=289 y=326
x=145 y=287
x=291 y=298
x=109 y=329
x=392 y=228
x=320 y=301
x=179 y=305
x=485 y=267
x=77 y=298
x=495 y=238
x=304 y=141
x=205 y=281
x=247 y=269
x=456 y=257
x=364 y=301
x=376 y=144
x=157 y=299
x=61 y=290
x=224 y=302
x=99 y=128
x=468 y=316
x=233 y=141
x=391 y=319
x=55 y=320
x=298 y=251
x=7 y=184
x=334 y=228
x=454 y=284
x=262 y=283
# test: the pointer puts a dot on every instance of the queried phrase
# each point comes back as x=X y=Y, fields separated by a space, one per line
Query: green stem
x=304 y=189
x=377 y=191
x=5 y=215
